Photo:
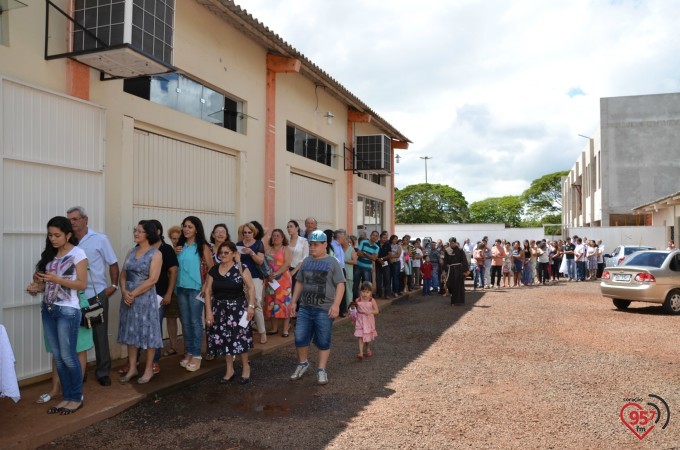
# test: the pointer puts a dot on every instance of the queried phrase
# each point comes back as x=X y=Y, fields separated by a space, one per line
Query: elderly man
x=310 y=225
x=99 y=255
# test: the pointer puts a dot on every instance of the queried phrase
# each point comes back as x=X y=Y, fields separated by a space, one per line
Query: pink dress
x=365 y=326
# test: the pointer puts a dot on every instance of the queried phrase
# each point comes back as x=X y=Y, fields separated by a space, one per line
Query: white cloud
x=486 y=87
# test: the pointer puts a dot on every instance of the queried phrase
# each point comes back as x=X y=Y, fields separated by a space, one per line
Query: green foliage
x=507 y=210
x=544 y=196
x=430 y=203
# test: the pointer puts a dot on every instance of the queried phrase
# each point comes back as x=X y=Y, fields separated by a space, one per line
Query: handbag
x=203 y=269
x=93 y=314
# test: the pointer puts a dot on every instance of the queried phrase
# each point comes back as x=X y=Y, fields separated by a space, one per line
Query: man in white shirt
x=99 y=255
x=580 y=258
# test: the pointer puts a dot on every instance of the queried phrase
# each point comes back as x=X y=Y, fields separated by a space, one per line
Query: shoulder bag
x=94 y=313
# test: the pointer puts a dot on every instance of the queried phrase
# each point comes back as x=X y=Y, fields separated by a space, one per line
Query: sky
x=496 y=92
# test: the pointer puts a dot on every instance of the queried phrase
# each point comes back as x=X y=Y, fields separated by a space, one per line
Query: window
x=369 y=214
x=309 y=146
x=373 y=178
x=3 y=27
x=190 y=97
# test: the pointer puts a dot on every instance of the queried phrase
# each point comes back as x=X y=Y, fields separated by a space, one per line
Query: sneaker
x=300 y=370
x=321 y=376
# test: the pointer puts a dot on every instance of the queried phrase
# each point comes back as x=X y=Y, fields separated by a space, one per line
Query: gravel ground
x=542 y=367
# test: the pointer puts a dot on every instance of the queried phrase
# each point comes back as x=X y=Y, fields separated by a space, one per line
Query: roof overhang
x=662 y=203
x=258 y=32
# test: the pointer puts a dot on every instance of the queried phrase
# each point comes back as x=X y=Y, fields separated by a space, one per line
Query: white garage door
x=51 y=158
x=312 y=197
x=174 y=179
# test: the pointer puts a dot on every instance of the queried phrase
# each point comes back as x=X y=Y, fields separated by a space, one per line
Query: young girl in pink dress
x=364 y=329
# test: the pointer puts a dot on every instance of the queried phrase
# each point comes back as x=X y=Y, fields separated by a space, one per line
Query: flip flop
x=170 y=352
x=44 y=398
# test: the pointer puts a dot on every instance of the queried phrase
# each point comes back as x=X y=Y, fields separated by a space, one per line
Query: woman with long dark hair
x=195 y=259
x=140 y=326
x=61 y=273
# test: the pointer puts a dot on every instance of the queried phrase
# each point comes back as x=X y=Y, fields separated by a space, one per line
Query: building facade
x=139 y=110
x=631 y=161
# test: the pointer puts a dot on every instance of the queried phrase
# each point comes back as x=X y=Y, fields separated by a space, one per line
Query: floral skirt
x=226 y=336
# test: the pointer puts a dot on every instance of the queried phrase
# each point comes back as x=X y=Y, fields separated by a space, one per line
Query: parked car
x=651 y=276
x=619 y=254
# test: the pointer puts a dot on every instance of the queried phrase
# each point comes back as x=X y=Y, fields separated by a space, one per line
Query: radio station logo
x=642 y=417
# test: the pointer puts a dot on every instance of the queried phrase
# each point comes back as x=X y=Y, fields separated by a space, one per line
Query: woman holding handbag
x=61 y=273
x=229 y=296
x=195 y=259
x=252 y=256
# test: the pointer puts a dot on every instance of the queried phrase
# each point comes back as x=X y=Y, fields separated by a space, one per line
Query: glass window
x=190 y=97
x=310 y=146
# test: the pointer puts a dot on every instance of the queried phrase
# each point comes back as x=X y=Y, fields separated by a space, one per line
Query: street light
x=425 y=158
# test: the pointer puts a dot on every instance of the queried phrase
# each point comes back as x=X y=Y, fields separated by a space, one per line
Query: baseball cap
x=317 y=236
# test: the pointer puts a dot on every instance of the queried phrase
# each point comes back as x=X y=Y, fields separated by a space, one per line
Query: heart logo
x=629 y=415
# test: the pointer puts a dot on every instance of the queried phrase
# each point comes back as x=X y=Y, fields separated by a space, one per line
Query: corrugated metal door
x=312 y=197
x=52 y=154
x=174 y=179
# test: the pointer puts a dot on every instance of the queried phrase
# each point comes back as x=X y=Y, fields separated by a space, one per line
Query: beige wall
x=217 y=55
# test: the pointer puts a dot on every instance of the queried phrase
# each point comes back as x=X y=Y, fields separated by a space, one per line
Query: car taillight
x=645 y=278
x=621 y=259
x=605 y=275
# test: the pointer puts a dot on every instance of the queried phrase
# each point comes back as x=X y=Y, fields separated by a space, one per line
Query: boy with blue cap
x=319 y=288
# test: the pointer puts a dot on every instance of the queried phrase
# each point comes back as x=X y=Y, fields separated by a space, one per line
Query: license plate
x=621 y=277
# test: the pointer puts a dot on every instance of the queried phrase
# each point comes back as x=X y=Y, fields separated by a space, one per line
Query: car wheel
x=621 y=304
x=672 y=303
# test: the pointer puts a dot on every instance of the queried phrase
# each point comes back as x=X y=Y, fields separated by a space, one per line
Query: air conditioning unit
x=121 y=38
x=373 y=154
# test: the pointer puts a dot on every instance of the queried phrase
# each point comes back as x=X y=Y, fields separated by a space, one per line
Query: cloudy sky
x=495 y=91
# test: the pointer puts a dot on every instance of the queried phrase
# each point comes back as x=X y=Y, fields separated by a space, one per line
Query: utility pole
x=425 y=158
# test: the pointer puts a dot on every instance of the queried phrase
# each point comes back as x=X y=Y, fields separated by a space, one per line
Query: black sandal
x=67 y=411
x=54 y=410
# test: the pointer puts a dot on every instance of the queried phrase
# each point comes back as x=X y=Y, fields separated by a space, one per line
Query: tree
x=430 y=203
x=544 y=195
x=507 y=210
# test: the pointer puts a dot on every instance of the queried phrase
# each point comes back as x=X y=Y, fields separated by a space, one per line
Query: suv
x=620 y=253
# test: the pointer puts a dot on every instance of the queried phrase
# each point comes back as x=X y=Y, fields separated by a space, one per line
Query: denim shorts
x=313 y=324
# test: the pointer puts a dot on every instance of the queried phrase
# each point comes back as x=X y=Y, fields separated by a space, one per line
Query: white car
x=619 y=254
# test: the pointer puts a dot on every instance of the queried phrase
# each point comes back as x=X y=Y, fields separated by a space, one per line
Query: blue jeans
x=313 y=324
x=571 y=269
x=191 y=311
x=61 y=324
x=395 y=275
x=581 y=270
x=528 y=274
x=480 y=271
x=435 y=279
x=427 y=286
x=361 y=274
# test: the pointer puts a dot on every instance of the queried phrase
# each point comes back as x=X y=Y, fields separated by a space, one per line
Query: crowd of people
x=223 y=289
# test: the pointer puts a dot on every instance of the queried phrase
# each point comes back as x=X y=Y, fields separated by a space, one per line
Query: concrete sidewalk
x=27 y=425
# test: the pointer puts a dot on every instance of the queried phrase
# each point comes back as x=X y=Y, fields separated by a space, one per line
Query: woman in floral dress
x=277 y=300
x=225 y=306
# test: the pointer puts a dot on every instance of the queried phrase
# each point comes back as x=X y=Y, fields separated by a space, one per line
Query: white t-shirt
x=64 y=267
x=416 y=262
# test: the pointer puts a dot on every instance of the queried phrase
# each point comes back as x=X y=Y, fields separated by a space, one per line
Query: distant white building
x=631 y=161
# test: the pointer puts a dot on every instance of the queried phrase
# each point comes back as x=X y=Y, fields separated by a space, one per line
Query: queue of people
x=309 y=275
x=229 y=287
